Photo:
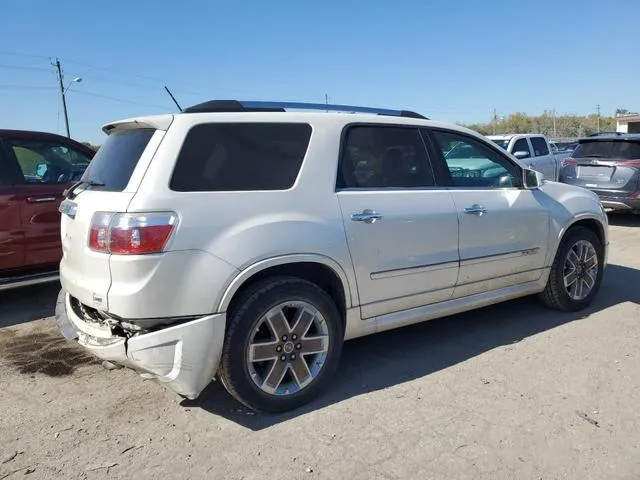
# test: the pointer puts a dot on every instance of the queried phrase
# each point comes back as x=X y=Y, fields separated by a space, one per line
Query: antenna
x=173 y=98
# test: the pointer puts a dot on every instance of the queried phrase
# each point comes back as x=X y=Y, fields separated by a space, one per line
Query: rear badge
x=97 y=300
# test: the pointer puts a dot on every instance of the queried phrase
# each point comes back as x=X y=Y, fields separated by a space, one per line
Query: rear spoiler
x=158 y=122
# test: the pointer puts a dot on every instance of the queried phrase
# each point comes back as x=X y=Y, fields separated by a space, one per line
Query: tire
x=555 y=294
x=249 y=380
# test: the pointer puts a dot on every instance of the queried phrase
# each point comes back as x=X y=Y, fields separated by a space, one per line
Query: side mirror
x=521 y=154
x=531 y=179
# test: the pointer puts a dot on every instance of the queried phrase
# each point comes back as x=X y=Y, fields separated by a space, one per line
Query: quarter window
x=384 y=157
x=241 y=157
x=472 y=164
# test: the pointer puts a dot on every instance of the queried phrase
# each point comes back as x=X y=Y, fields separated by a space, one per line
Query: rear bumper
x=185 y=357
x=620 y=203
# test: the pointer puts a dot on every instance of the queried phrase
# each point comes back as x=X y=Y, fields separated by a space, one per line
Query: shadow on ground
x=624 y=220
x=383 y=360
x=27 y=304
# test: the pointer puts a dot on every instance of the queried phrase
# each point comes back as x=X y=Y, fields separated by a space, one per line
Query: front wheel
x=576 y=272
x=282 y=346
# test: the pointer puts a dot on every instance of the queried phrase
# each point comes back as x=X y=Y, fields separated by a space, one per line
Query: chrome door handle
x=367 y=216
x=475 y=210
x=41 y=199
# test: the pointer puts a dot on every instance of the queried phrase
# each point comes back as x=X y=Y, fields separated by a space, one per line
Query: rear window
x=241 y=157
x=618 y=150
x=117 y=158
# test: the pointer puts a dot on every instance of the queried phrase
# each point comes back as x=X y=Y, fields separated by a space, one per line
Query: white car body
x=539 y=154
x=424 y=257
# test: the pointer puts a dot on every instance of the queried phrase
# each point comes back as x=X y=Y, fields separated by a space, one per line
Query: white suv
x=247 y=241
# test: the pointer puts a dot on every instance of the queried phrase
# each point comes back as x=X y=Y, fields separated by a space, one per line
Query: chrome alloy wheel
x=580 y=270
x=288 y=348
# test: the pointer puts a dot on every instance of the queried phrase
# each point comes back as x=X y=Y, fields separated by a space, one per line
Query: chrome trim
x=475 y=209
x=500 y=256
x=25 y=281
x=367 y=216
x=413 y=270
x=615 y=205
x=41 y=200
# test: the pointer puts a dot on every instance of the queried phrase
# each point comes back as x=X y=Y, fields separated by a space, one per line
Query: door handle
x=475 y=209
x=41 y=199
x=367 y=216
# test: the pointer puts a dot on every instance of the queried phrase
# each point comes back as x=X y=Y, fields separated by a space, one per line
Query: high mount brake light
x=131 y=233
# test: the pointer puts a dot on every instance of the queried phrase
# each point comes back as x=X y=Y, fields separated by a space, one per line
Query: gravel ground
x=510 y=391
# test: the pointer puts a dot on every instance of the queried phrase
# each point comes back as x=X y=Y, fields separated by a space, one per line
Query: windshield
x=621 y=150
x=113 y=165
x=501 y=143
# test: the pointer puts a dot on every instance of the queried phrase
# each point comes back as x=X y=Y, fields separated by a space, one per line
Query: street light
x=75 y=80
x=64 y=101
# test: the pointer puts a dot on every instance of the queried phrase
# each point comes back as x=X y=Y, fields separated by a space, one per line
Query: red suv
x=35 y=169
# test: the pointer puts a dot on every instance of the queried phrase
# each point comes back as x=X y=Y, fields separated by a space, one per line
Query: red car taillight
x=569 y=162
x=629 y=163
x=131 y=234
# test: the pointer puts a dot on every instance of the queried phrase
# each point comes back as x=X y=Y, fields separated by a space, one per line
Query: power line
x=26 y=55
x=22 y=67
x=116 y=99
x=25 y=87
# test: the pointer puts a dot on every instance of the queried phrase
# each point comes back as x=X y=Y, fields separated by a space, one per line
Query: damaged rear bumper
x=184 y=356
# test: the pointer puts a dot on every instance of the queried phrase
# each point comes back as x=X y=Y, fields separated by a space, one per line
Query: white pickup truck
x=534 y=151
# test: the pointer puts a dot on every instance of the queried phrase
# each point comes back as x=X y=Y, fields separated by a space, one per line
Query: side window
x=48 y=162
x=539 y=146
x=521 y=145
x=384 y=157
x=241 y=157
x=473 y=164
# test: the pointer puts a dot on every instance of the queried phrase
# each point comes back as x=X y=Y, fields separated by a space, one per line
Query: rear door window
x=540 y=147
x=241 y=157
x=117 y=158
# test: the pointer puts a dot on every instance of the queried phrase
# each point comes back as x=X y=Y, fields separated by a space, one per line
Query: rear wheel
x=282 y=345
x=576 y=272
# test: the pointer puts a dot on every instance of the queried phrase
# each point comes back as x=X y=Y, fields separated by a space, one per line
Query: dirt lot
x=512 y=391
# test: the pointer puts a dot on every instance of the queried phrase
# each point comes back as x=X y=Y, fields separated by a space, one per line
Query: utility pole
x=495 y=120
x=555 y=134
x=598 y=111
x=62 y=92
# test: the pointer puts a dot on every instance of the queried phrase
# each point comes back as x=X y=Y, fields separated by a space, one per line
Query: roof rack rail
x=259 y=106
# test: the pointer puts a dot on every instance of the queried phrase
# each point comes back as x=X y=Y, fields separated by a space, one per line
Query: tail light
x=567 y=162
x=629 y=163
x=131 y=233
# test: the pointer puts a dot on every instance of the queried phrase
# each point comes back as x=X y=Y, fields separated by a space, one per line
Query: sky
x=451 y=60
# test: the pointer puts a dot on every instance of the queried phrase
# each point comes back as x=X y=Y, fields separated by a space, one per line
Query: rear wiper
x=69 y=193
x=591 y=155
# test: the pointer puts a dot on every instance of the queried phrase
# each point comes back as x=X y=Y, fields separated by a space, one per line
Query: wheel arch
x=319 y=269
x=589 y=221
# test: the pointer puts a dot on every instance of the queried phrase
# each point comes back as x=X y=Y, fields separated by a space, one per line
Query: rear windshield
x=241 y=157
x=618 y=150
x=117 y=158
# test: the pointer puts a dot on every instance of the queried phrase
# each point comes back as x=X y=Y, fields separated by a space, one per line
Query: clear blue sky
x=450 y=60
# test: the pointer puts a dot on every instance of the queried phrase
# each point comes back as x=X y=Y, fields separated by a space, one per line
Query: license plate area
x=599 y=172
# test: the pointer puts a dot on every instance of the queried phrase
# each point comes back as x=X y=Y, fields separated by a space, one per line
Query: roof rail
x=258 y=106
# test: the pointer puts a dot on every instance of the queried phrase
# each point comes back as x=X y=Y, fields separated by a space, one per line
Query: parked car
x=243 y=240
x=35 y=169
x=609 y=165
x=534 y=151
